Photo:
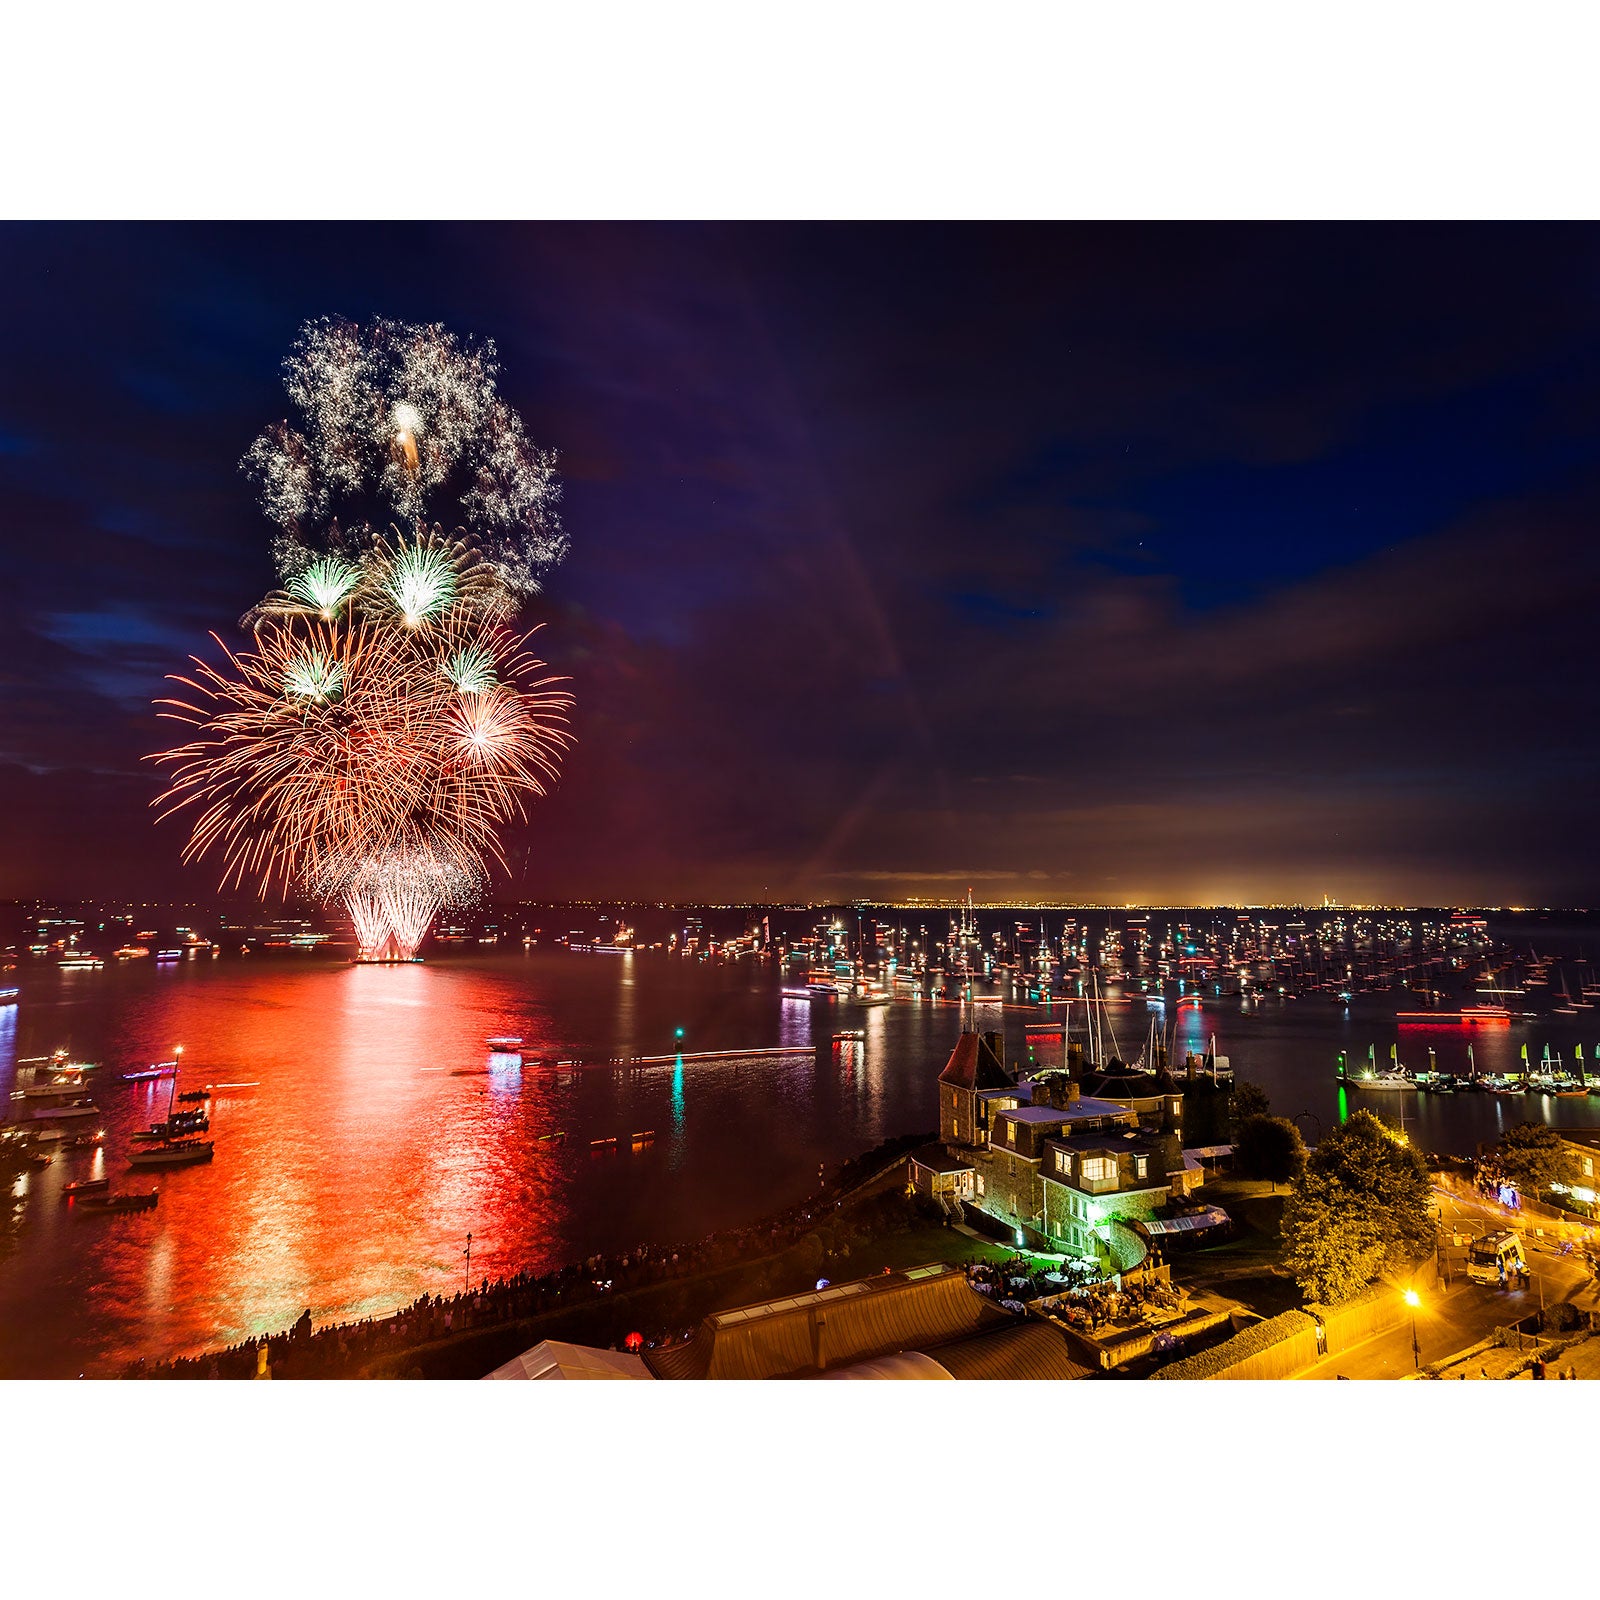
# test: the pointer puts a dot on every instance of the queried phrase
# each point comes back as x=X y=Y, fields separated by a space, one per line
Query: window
x=1063 y=1161
x=955 y=1128
x=1588 y=1166
x=1141 y=1166
x=1011 y=1133
x=1097 y=1168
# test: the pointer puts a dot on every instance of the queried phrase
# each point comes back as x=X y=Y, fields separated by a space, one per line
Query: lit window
x=1063 y=1162
x=1141 y=1165
x=1011 y=1133
x=1096 y=1168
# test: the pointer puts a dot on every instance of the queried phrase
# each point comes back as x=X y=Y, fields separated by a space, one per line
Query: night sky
x=1072 y=563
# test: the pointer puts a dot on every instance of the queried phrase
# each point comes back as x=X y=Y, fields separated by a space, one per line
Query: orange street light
x=1413 y=1299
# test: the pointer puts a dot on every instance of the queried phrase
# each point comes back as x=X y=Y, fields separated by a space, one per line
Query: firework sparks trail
x=392 y=901
x=370 y=918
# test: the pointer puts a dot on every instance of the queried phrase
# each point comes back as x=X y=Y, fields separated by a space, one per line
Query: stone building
x=974 y=1075
x=1055 y=1166
x=1089 y=1180
x=1583 y=1149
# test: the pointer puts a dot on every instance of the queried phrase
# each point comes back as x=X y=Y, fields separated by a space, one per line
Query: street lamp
x=1413 y=1299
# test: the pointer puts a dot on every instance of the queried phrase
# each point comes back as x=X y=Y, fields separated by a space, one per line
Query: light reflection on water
x=346 y=1182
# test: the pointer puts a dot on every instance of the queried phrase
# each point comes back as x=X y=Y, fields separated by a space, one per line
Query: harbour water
x=377 y=1129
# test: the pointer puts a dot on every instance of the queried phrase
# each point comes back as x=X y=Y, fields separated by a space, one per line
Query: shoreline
x=648 y=1282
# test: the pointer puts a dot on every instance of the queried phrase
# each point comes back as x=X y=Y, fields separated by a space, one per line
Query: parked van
x=1494 y=1255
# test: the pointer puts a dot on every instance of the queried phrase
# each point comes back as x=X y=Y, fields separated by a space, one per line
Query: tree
x=1247 y=1100
x=1331 y=1249
x=1269 y=1147
x=1363 y=1205
x=1535 y=1158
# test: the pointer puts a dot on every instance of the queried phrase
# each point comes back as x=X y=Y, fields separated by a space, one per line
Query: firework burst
x=384 y=723
x=374 y=755
x=404 y=421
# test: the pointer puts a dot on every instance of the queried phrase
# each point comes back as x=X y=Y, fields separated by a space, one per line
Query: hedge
x=1251 y=1341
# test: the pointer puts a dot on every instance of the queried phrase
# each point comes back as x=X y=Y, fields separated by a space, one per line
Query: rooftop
x=935 y=1158
x=799 y=1335
x=973 y=1064
x=1076 y=1111
x=552 y=1358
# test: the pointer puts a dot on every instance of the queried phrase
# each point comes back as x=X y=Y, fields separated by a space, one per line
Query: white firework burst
x=408 y=417
x=325 y=584
x=471 y=668
x=314 y=675
x=420 y=583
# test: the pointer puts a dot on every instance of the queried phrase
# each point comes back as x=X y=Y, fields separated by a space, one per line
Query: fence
x=1380 y=1309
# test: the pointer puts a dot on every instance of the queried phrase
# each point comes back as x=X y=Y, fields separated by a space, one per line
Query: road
x=1451 y=1319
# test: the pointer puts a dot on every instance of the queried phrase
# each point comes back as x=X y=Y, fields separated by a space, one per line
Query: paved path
x=1451 y=1319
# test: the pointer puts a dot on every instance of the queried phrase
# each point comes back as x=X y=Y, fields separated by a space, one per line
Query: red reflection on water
x=345 y=1182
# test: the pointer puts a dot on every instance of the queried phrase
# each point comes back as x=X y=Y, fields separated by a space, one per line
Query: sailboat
x=1566 y=1008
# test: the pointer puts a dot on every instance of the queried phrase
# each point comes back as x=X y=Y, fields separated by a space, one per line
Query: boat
x=84 y=1141
x=159 y=1069
x=9 y=996
x=504 y=1041
x=175 y=1126
x=647 y=1137
x=557 y=1136
x=195 y=1095
x=73 y=1108
x=85 y=1186
x=118 y=1202
x=173 y=1153
x=1468 y=1015
x=1384 y=1080
x=53 y=1090
x=850 y=1033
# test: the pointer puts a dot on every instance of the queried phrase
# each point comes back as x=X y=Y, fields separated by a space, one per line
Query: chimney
x=1075 y=1061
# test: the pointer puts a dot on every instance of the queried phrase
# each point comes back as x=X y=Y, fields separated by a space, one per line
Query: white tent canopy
x=552 y=1359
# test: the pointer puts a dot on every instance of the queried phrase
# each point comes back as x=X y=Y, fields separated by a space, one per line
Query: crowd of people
x=344 y=1348
x=1494 y=1185
x=1100 y=1305
x=1079 y=1295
